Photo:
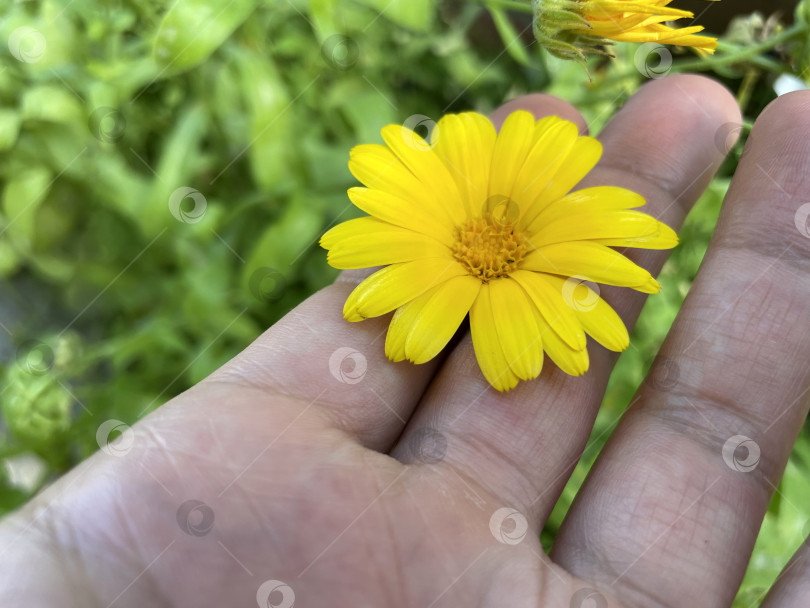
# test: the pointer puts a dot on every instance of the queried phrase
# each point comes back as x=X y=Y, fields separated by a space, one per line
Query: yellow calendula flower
x=486 y=224
x=572 y=28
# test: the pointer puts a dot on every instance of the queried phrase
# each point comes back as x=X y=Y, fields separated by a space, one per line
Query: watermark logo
x=27 y=44
x=187 y=216
x=741 y=453
x=195 y=518
x=115 y=438
x=509 y=526
x=348 y=365
x=653 y=60
x=275 y=594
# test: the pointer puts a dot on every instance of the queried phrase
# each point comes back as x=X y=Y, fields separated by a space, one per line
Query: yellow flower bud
x=570 y=29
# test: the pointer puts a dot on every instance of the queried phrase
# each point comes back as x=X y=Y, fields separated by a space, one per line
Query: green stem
x=759 y=61
x=510 y=5
x=747 y=53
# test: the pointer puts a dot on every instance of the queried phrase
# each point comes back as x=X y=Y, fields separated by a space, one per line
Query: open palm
x=311 y=470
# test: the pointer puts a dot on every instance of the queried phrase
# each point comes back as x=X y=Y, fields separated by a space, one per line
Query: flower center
x=488 y=248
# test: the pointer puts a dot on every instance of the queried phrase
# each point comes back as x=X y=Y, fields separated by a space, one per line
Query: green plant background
x=110 y=304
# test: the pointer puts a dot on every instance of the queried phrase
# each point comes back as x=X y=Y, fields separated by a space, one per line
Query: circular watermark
x=509 y=526
x=664 y=374
x=187 y=216
x=348 y=365
x=35 y=357
x=726 y=136
x=27 y=44
x=427 y=445
x=275 y=594
x=340 y=52
x=267 y=284
x=107 y=125
x=801 y=219
x=580 y=293
x=195 y=518
x=741 y=453
x=503 y=210
x=588 y=598
x=653 y=60
x=424 y=127
x=115 y=438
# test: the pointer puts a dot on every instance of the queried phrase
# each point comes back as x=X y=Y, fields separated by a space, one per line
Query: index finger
x=315 y=355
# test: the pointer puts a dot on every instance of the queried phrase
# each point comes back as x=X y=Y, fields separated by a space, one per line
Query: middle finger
x=522 y=445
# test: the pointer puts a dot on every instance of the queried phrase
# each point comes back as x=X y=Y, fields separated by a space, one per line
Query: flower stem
x=511 y=5
x=739 y=54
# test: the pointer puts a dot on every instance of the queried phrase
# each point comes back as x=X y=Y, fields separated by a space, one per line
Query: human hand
x=400 y=485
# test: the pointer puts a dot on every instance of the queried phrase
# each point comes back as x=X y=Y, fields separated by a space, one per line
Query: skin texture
x=383 y=492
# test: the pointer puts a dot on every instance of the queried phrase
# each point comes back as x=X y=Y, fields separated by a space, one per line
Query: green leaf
x=322 y=13
x=176 y=169
x=268 y=142
x=9 y=128
x=283 y=242
x=53 y=103
x=23 y=193
x=413 y=14
x=367 y=113
x=193 y=29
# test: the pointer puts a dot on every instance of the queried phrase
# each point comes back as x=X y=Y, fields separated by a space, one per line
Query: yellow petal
x=379 y=168
x=418 y=156
x=366 y=241
x=513 y=144
x=591 y=226
x=517 y=330
x=605 y=326
x=465 y=144
x=597 y=317
x=643 y=22
x=663 y=237
x=552 y=307
x=440 y=317
x=410 y=214
x=599 y=199
x=605 y=9
x=394 y=285
x=402 y=322
x=581 y=158
x=597 y=262
x=544 y=161
x=487 y=345
x=573 y=362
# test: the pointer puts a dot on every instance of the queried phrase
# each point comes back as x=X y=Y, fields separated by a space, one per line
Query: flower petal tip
x=353 y=316
x=651 y=286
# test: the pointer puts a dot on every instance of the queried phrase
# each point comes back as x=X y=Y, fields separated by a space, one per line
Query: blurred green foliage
x=166 y=172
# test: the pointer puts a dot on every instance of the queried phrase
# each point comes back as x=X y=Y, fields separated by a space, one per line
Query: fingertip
x=765 y=210
x=787 y=112
x=712 y=96
x=778 y=143
x=670 y=138
x=540 y=105
x=689 y=105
